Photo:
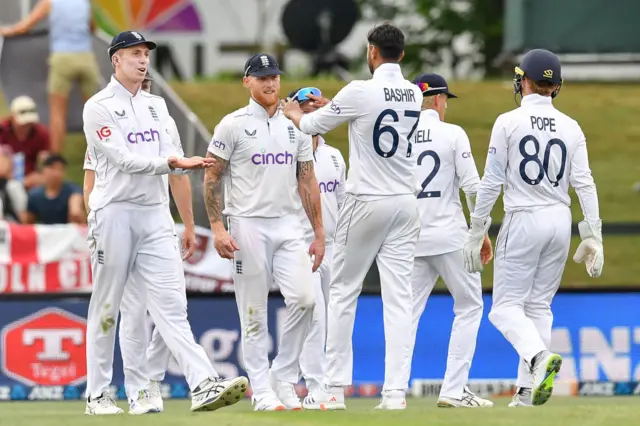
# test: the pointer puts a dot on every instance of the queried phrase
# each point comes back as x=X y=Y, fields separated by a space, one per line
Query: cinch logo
x=272 y=158
x=218 y=144
x=146 y=136
x=330 y=186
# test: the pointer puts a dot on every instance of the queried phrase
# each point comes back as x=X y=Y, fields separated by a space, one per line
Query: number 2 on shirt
x=379 y=131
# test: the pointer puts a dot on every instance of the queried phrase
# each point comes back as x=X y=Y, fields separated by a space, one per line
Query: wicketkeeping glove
x=475 y=238
x=590 y=251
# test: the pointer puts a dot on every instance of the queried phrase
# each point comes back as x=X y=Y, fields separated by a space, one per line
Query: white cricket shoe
x=468 y=400
x=522 y=398
x=325 y=399
x=286 y=392
x=155 y=395
x=104 y=405
x=213 y=394
x=142 y=405
x=544 y=370
x=392 y=400
x=267 y=403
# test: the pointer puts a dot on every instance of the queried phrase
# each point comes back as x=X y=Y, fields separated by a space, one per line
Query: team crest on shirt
x=154 y=114
x=335 y=162
x=252 y=134
x=292 y=134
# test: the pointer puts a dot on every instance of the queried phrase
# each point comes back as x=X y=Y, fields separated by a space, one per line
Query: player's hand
x=316 y=251
x=486 y=252
x=291 y=108
x=190 y=163
x=318 y=101
x=224 y=244
x=4 y=31
x=475 y=241
x=590 y=251
x=188 y=242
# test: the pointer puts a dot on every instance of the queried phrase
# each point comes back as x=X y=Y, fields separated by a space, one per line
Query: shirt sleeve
x=466 y=169
x=222 y=142
x=494 y=171
x=305 y=147
x=582 y=181
x=88 y=164
x=18 y=195
x=105 y=136
x=343 y=107
x=342 y=187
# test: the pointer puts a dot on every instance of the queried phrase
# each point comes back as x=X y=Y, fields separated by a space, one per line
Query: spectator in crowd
x=13 y=197
x=27 y=140
x=71 y=58
x=57 y=200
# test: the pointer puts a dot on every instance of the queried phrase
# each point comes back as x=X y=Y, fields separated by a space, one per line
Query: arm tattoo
x=213 y=187
x=309 y=192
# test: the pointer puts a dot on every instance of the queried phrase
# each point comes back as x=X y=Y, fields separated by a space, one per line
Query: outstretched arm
x=39 y=12
x=310 y=196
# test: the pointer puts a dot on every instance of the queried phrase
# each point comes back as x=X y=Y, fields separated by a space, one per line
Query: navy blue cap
x=127 y=39
x=261 y=65
x=433 y=84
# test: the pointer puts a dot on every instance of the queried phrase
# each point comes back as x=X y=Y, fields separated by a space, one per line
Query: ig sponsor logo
x=103 y=133
x=266 y=158
x=151 y=135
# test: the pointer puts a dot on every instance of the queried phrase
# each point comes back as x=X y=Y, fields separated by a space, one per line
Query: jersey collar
x=119 y=89
x=431 y=113
x=535 y=99
x=258 y=110
x=387 y=70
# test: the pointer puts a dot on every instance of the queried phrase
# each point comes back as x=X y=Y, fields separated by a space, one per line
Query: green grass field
x=606 y=112
x=577 y=411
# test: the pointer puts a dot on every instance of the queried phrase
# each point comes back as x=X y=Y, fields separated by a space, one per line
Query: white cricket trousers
x=142 y=361
x=312 y=358
x=466 y=290
x=131 y=241
x=386 y=230
x=271 y=250
x=531 y=253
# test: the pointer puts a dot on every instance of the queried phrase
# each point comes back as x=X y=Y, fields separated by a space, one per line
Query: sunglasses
x=303 y=94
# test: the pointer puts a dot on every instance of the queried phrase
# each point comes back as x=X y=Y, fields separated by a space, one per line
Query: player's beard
x=267 y=99
x=370 y=63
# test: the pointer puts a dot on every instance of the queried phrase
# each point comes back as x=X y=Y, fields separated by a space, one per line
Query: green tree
x=432 y=27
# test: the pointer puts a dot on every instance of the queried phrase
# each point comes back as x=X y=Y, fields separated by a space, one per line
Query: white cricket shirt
x=175 y=140
x=383 y=114
x=263 y=154
x=445 y=165
x=128 y=143
x=536 y=152
x=330 y=170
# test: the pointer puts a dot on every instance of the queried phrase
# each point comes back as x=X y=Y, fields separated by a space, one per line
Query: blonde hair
x=428 y=101
x=542 y=88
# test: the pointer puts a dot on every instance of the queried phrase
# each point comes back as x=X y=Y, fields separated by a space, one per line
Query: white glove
x=590 y=251
x=473 y=246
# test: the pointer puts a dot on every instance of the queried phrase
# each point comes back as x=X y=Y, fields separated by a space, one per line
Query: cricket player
x=536 y=152
x=268 y=169
x=445 y=165
x=144 y=368
x=379 y=218
x=330 y=171
x=131 y=232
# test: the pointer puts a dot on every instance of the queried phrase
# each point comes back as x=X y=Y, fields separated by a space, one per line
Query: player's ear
x=245 y=82
x=401 y=56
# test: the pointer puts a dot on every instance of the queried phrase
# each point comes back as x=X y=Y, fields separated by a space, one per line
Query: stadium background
x=203 y=45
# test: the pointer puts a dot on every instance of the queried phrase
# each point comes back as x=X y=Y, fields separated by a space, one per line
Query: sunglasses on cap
x=303 y=94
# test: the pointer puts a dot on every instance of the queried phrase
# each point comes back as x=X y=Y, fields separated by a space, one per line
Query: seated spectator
x=13 y=197
x=26 y=137
x=57 y=200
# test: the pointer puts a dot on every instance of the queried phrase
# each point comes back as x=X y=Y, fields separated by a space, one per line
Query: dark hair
x=53 y=159
x=388 y=39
